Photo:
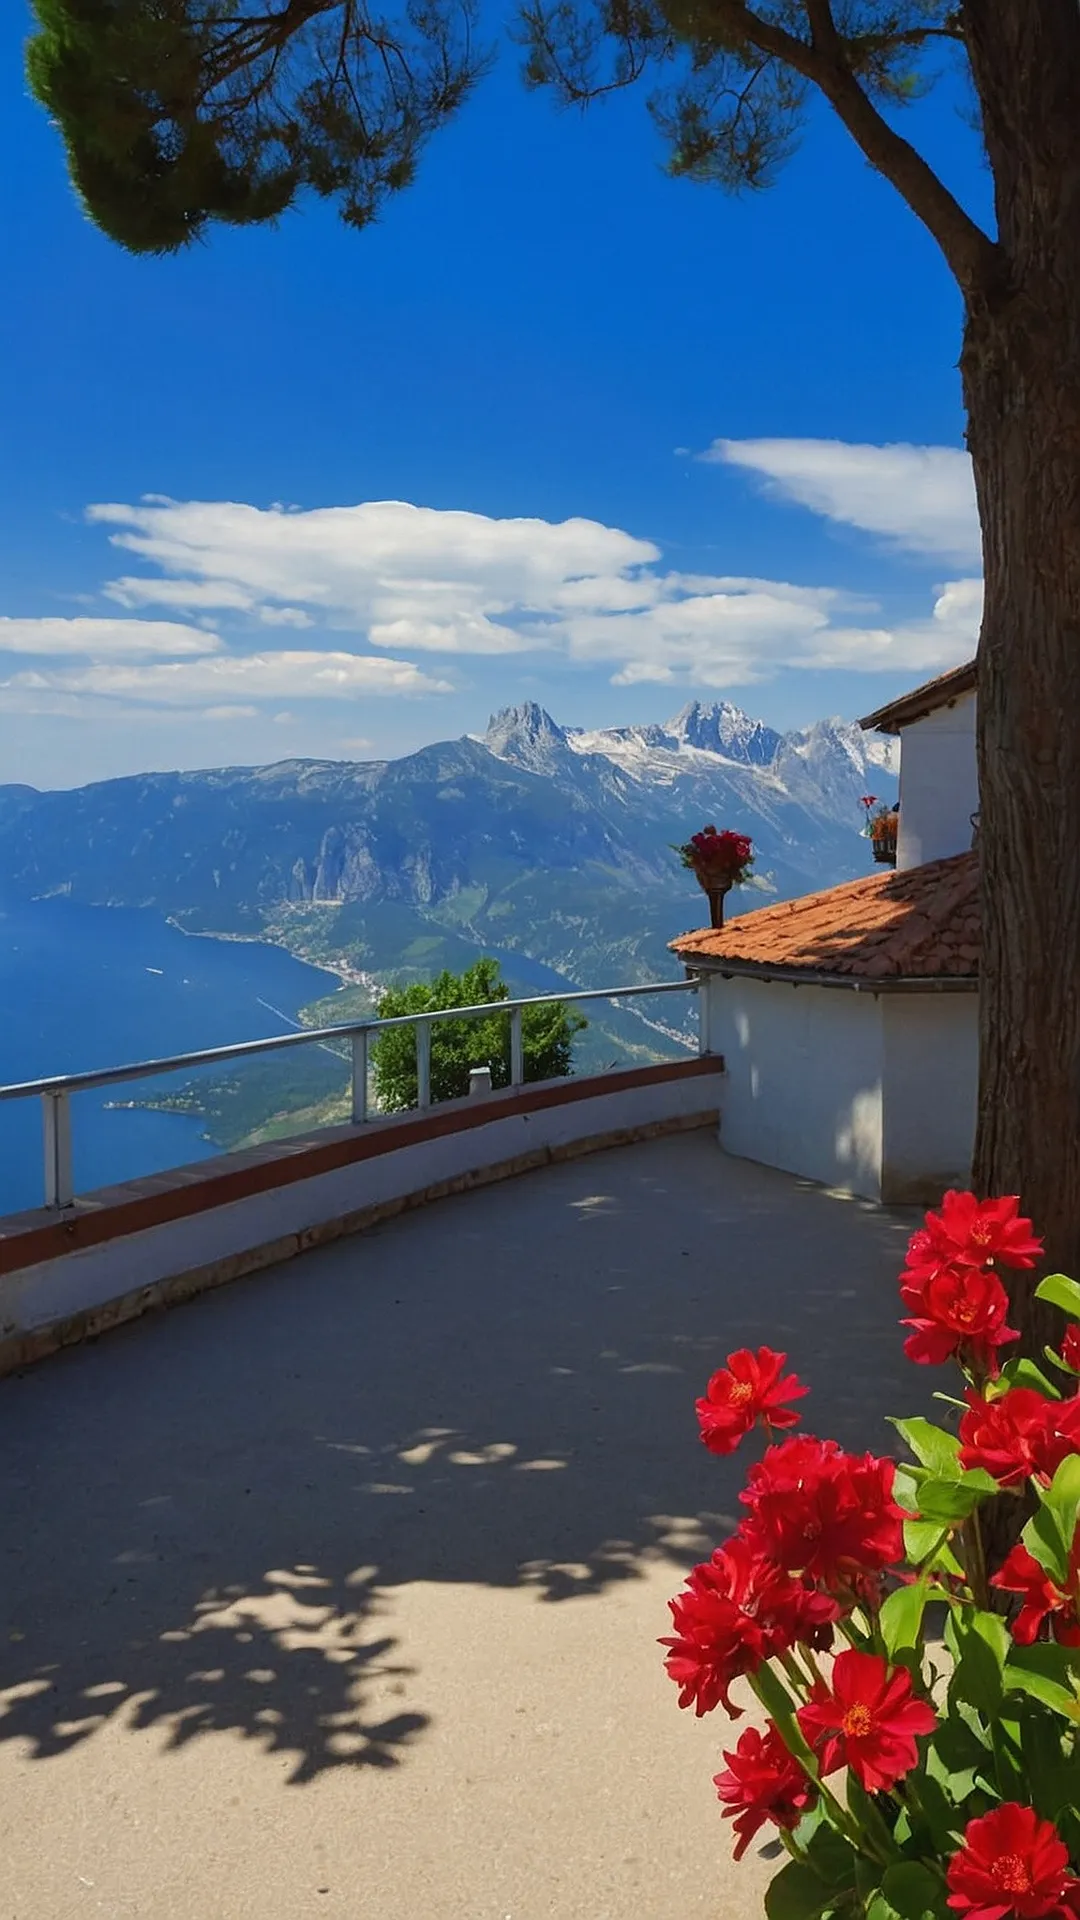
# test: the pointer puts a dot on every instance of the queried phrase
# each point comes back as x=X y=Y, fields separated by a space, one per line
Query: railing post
x=56 y=1117
x=423 y=1063
x=704 y=1001
x=517 y=1049
x=359 y=1077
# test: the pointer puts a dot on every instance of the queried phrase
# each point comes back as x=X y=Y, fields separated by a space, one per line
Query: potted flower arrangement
x=718 y=861
x=881 y=827
x=914 y=1775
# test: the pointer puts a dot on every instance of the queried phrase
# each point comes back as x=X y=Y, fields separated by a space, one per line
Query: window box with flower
x=882 y=825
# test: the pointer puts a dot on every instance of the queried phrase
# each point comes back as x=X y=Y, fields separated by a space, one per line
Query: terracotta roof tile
x=922 y=924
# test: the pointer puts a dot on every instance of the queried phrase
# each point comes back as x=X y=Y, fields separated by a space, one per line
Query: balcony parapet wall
x=151 y=1243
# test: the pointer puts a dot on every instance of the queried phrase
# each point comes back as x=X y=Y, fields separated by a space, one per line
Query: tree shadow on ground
x=208 y=1514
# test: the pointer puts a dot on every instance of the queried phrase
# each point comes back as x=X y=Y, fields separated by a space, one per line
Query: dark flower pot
x=717 y=890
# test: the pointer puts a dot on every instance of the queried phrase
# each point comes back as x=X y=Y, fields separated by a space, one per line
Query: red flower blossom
x=957 y=1309
x=1062 y=1435
x=763 y=1782
x=1042 y=1597
x=725 y=854
x=867 y=1720
x=1011 y=1862
x=1008 y=1437
x=974 y=1233
x=1070 y=1346
x=748 y=1389
x=738 y=1609
x=826 y=1514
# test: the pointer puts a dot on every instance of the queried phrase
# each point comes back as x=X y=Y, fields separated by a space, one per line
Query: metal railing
x=55 y=1093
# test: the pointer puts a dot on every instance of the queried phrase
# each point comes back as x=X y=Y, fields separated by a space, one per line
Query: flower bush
x=929 y=1766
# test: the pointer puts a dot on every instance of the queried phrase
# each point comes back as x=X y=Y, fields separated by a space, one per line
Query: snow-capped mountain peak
x=526 y=735
x=723 y=728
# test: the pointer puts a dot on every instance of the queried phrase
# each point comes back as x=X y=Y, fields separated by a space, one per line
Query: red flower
x=1070 y=1346
x=868 y=1720
x=737 y=1609
x=1042 y=1597
x=727 y=852
x=824 y=1513
x=958 y=1309
x=1011 y=1862
x=974 y=1233
x=763 y=1782
x=748 y=1389
x=1008 y=1437
x=1062 y=1434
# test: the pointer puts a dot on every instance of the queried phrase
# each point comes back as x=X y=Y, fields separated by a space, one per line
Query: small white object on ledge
x=479 y=1080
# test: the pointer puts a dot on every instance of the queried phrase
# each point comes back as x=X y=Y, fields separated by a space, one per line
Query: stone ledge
x=23 y=1349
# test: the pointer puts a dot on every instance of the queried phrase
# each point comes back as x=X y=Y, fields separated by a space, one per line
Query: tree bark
x=1021 y=372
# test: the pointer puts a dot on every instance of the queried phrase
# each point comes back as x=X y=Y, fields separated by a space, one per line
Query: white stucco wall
x=939 y=786
x=803 y=1083
x=931 y=1082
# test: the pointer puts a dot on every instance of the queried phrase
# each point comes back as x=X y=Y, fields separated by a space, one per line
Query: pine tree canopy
x=180 y=112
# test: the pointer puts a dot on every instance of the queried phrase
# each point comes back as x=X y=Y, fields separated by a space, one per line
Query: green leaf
x=1024 y=1373
x=869 y=1818
x=778 y=1703
x=1061 y=1292
x=796 y=1893
x=951 y=1499
x=878 y=1908
x=1062 y=1497
x=906 y=1488
x=913 y=1891
x=832 y=1858
x=1048 y=1535
x=1042 y=1538
x=926 y=1545
x=1047 y=1770
x=981 y=1643
x=939 y=1791
x=931 y=1445
x=1047 y=1673
x=901 y=1619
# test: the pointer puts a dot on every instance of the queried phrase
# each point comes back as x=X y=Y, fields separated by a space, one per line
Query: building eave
x=944 y=691
x=855 y=982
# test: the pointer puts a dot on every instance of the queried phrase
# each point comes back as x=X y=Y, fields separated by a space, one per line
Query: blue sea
x=89 y=987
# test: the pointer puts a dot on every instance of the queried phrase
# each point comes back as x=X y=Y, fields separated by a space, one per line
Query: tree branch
x=969 y=252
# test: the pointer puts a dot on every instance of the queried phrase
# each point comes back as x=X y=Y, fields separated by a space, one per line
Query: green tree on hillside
x=180 y=112
x=457 y=1045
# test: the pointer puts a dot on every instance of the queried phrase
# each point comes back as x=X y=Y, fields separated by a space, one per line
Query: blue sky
x=532 y=354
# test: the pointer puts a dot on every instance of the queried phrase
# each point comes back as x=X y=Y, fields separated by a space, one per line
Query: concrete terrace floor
x=336 y=1593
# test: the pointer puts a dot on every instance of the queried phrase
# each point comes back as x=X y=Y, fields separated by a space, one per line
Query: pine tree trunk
x=1025 y=438
x=1021 y=369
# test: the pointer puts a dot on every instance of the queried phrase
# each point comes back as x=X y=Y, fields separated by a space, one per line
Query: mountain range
x=549 y=845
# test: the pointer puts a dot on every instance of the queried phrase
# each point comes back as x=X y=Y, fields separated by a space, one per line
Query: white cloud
x=750 y=631
x=416 y=580
x=220 y=680
x=448 y=581
x=919 y=498
x=96 y=638
x=404 y=582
